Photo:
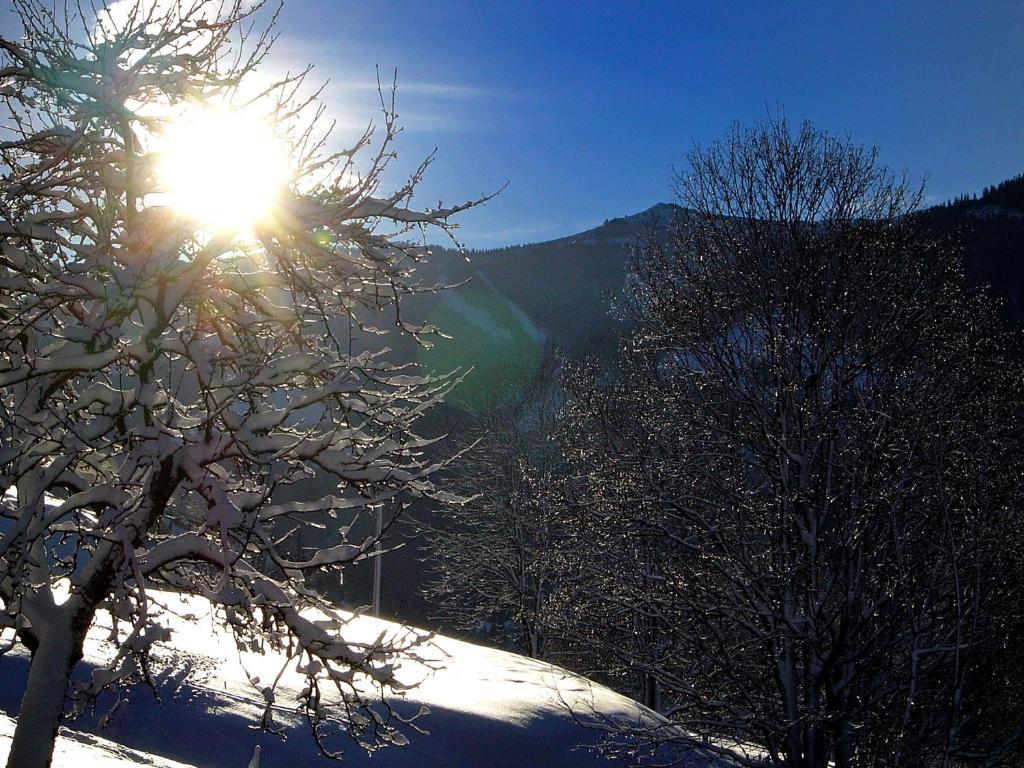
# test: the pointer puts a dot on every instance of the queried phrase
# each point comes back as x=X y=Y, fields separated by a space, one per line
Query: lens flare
x=492 y=340
x=223 y=168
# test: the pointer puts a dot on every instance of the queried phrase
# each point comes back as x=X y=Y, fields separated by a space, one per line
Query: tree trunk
x=42 y=706
x=651 y=692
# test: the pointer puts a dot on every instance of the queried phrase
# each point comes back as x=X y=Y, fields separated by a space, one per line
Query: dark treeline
x=990 y=229
x=785 y=513
x=1008 y=194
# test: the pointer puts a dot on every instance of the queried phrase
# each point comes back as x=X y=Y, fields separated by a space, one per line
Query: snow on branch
x=164 y=379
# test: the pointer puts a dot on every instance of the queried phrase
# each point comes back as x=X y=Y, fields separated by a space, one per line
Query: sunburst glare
x=223 y=168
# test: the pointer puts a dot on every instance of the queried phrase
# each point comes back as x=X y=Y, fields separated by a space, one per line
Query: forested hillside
x=560 y=294
x=565 y=286
x=991 y=228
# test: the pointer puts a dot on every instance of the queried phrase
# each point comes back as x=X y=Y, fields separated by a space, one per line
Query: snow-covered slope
x=84 y=750
x=486 y=707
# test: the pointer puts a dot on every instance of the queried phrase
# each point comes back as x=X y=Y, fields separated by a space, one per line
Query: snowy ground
x=84 y=750
x=486 y=708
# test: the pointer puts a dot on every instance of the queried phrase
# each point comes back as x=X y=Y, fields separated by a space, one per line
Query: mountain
x=512 y=304
x=564 y=286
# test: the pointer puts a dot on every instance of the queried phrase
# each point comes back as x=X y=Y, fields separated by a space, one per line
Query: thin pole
x=377 y=547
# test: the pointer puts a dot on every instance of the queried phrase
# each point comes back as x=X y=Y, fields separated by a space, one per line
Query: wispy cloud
x=426 y=89
x=353 y=77
x=425 y=105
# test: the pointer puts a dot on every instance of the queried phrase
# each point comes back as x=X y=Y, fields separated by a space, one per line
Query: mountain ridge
x=566 y=285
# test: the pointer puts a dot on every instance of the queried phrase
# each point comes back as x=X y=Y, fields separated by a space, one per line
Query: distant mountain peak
x=626 y=229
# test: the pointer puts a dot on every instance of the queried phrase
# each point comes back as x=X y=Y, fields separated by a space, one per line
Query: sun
x=223 y=168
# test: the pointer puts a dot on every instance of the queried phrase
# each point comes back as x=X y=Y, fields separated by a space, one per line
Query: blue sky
x=586 y=107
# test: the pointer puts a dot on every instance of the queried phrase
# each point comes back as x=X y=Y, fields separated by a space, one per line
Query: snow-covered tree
x=177 y=348
x=797 y=502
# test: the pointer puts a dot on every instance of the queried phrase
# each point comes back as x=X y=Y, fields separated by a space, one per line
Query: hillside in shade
x=510 y=305
x=566 y=286
x=991 y=229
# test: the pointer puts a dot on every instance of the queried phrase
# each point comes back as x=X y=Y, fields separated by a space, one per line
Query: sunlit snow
x=486 y=707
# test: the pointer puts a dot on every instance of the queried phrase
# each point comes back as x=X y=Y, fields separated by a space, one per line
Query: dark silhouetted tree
x=795 y=504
